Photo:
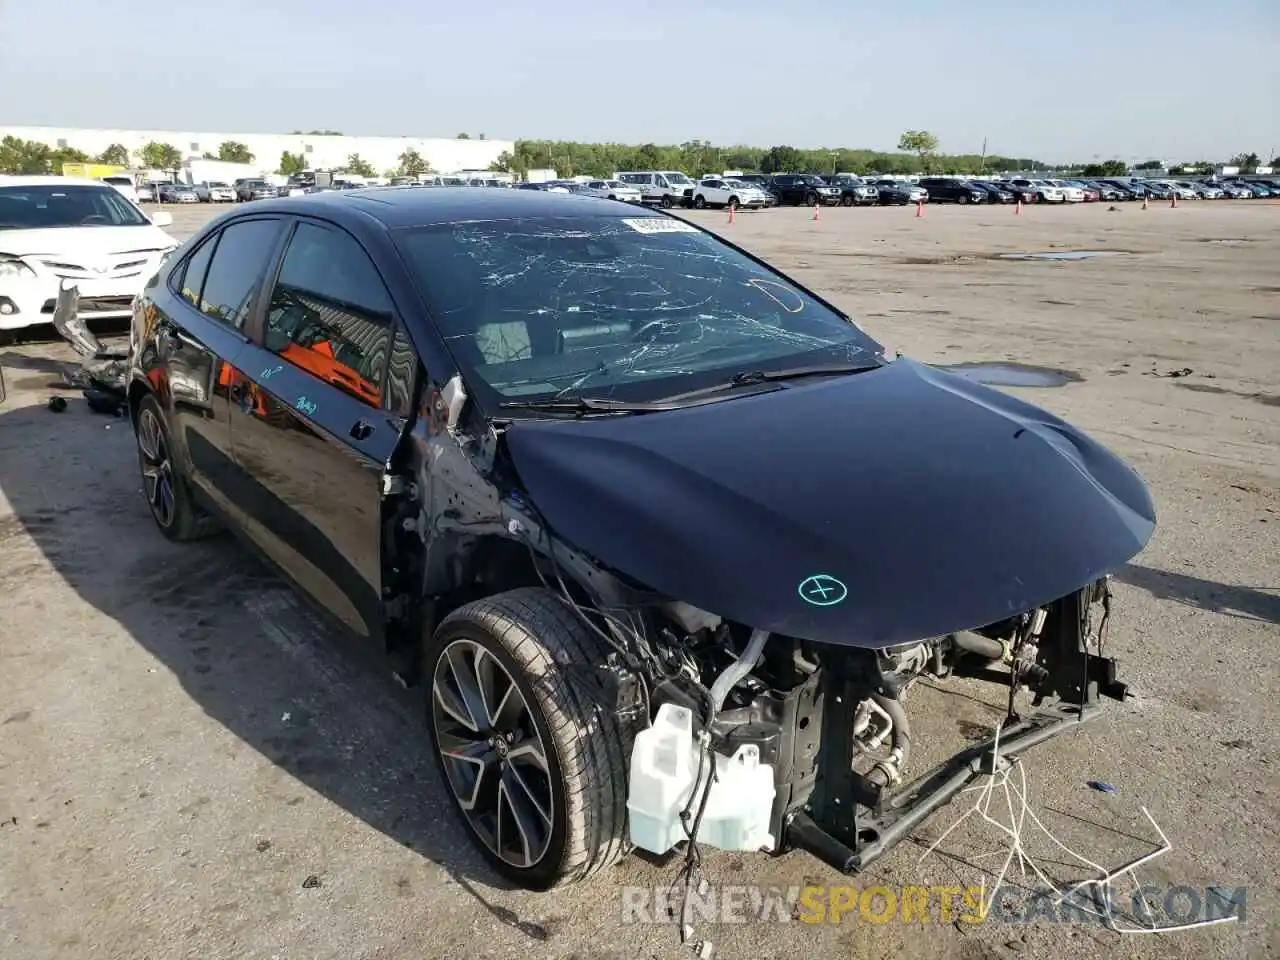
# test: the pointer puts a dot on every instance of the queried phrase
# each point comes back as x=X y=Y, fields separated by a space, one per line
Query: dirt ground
x=194 y=765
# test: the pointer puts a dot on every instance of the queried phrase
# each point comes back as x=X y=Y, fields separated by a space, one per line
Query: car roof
x=7 y=180
x=395 y=208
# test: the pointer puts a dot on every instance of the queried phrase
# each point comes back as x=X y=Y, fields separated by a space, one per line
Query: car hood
x=84 y=241
x=867 y=510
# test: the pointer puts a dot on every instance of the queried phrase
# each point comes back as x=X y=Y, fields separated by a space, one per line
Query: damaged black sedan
x=632 y=507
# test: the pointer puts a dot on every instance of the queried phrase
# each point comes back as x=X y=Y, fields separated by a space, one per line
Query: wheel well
x=137 y=390
x=483 y=566
x=497 y=564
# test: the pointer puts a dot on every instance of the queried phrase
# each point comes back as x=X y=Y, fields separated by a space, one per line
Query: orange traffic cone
x=1017 y=207
x=919 y=208
x=732 y=207
x=1145 y=201
x=817 y=211
x=1173 y=200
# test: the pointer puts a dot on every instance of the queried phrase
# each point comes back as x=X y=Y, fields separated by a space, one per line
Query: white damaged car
x=55 y=229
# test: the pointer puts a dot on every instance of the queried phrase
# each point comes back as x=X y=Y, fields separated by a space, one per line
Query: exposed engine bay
x=834 y=723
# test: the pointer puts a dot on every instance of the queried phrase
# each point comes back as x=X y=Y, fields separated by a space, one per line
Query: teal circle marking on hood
x=822 y=590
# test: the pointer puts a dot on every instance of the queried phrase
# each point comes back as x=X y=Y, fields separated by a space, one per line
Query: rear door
x=200 y=337
x=311 y=430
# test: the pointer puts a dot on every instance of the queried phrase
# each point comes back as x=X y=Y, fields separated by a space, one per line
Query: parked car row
x=754 y=191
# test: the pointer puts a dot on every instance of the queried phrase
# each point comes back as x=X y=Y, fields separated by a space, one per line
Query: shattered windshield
x=630 y=308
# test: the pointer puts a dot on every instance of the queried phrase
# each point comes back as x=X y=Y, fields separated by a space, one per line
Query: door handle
x=361 y=430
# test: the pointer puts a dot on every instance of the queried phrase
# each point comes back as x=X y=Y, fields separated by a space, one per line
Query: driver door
x=313 y=429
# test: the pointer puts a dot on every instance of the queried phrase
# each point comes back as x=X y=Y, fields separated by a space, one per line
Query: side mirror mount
x=162 y=218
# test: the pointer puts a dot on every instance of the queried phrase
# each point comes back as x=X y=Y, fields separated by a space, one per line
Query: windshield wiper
x=747 y=378
x=580 y=404
x=796 y=373
x=762 y=380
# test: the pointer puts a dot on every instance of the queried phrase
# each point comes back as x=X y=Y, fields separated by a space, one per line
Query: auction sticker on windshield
x=659 y=225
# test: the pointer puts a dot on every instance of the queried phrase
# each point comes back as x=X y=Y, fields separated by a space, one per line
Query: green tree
x=116 y=155
x=23 y=156
x=1149 y=165
x=160 y=156
x=1247 y=162
x=922 y=143
x=34 y=157
x=359 y=166
x=1109 y=168
x=234 y=152
x=66 y=155
x=508 y=162
x=412 y=164
x=291 y=163
x=463 y=136
x=781 y=160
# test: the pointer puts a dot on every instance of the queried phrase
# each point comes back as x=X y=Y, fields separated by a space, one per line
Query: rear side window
x=193 y=273
x=330 y=314
x=241 y=257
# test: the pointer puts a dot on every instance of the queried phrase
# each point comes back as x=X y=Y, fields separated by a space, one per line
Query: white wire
x=1019 y=808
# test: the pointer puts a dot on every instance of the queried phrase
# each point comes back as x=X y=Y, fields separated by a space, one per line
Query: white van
x=123 y=183
x=668 y=187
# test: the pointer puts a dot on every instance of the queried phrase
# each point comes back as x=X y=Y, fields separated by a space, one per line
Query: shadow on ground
x=1249 y=603
x=245 y=647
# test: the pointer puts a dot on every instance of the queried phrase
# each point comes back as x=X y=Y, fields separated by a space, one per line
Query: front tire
x=537 y=769
x=699 y=202
x=163 y=484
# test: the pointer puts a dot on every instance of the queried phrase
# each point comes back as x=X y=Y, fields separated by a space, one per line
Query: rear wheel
x=699 y=202
x=666 y=201
x=537 y=769
x=163 y=484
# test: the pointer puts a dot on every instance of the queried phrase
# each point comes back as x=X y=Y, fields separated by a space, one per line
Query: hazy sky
x=1112 y=78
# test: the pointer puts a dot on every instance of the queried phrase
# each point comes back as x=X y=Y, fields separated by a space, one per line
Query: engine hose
x=982 y=646
x=900 y=737
x=736 y=671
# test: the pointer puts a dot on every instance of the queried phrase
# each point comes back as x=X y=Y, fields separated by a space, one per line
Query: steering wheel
x=94 y=218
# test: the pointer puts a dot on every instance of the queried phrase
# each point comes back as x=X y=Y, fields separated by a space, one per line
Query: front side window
x=634 y=308
x=243 y=251
x=330 y=314
x=52 y=207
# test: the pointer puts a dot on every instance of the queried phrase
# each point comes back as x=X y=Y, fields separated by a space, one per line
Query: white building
x=317 y=152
